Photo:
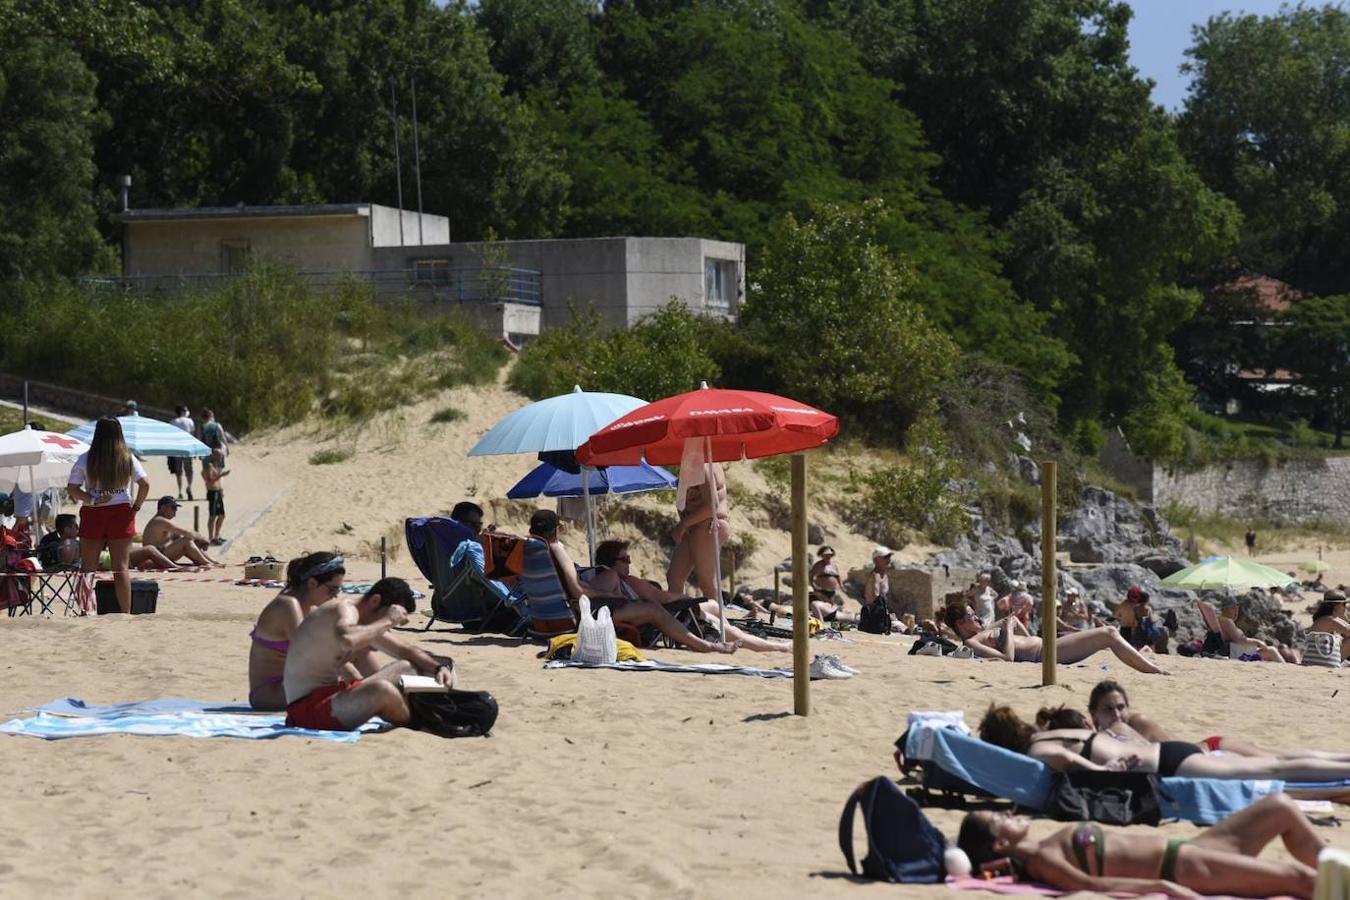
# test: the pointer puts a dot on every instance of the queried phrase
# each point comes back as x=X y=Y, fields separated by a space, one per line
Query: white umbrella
x=38 y=459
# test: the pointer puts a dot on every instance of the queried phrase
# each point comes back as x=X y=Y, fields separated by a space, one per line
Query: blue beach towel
x=72 y=717
x=1026 y=781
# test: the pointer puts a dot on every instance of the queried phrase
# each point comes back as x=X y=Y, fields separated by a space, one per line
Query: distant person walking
x=213 y=434
x=181 y=466
x=101 y=479
x=131 y=409
x=1251 y=541
x=213 y=470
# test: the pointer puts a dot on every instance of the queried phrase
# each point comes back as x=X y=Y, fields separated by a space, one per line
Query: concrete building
x=515 y=287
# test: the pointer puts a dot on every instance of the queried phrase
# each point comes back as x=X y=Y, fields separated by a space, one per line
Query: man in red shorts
x=340 y=638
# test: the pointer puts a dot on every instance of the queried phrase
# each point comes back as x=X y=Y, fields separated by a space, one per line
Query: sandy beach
x=594 y=782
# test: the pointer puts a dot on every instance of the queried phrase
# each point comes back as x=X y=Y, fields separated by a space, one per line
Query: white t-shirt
x=185 y=423
x=984 y=604
x=79 y=475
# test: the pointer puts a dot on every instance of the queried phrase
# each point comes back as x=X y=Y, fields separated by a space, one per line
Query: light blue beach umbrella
x=551 y=481
x=149 y=437
x=558 y=423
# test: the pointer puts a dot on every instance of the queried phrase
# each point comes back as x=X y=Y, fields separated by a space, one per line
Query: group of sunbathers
x=1112 y=737
x=328 y=658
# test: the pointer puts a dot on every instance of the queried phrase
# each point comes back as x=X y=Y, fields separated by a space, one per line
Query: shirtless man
x=345 y=632
x=174 y=542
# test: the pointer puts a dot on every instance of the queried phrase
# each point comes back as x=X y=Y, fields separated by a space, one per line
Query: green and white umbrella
x=1227 y=572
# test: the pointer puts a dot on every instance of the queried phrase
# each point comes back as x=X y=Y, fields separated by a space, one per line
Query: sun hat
x=824 y=549
x=881 y=550
x=1333 y=596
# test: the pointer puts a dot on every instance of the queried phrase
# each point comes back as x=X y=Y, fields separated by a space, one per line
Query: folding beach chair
x=60 y=584
x=461 y=593
x=548 y=612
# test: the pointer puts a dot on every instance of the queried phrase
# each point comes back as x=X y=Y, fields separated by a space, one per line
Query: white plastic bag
x=596 y=641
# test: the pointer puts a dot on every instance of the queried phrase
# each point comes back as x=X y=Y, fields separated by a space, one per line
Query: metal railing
x=488 y=284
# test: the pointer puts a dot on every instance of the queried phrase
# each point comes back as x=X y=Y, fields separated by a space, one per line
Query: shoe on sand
x=821 y=669
x=963 y=652
x=841 y=665
x=934 y=649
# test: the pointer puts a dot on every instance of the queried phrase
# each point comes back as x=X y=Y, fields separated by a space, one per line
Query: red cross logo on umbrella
x=61 y=441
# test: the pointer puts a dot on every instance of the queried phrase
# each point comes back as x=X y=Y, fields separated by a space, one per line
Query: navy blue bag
x=902 y=845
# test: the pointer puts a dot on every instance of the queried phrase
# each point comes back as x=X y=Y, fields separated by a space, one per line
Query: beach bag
x=596 y=641
x=875 y=617
x=453 y=713
x=902 y=845
x=1111 y=798
x=948 y=648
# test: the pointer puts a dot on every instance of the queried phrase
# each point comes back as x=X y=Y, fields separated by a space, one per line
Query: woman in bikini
x=310 y=581
x=1109 y=707
x=1223 y=859
x=827 y=589
x=1105 y=751
x=693 y=536
x=1009 y=639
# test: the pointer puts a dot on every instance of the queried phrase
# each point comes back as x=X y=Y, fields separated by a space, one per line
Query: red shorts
x=315 y=709
x=1213 y=743
x=114 y=522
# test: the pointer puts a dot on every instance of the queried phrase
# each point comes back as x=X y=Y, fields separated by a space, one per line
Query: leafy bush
x=329 y=457
x=261 y=349
x=919 y=496
x=662 y=355
x=449 y=414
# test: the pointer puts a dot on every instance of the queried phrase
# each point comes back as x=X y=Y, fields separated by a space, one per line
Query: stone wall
x=1292 y=491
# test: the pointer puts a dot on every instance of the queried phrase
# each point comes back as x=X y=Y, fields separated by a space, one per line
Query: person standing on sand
x=1251 y=541
x=100 y=479
x=212 y=472
x=181 y=466
x=702 y=508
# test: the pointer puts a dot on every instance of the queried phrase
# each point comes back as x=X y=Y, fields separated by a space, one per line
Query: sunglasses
x=623 y=559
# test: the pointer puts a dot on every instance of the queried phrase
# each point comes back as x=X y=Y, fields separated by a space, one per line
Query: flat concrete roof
x=246 y=212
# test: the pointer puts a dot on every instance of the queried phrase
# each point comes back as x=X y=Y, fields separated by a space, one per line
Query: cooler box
x=144 y=596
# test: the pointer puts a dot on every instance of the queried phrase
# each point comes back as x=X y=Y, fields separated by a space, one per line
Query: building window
x=233 y=256
x=431 y=271
x=721 y=281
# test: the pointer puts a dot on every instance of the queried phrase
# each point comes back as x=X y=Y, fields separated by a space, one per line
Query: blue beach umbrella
x=554 y=482
x=149 y=437
x=558 y=423
x=561 y=423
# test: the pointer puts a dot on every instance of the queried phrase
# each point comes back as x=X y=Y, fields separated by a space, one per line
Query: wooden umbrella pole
x=801 y=622
x=1049 y=617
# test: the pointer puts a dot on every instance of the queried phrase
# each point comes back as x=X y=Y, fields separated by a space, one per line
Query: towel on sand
x=1005 y=884
x=651 y=665
x=72 y=717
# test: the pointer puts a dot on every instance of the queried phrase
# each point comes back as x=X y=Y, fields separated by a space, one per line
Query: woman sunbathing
x=1327 y=642
x=1101 y=751
x=310 y=581
x=1223 y=859
x=1109 y=706
x=1009 y=639
x=827 y=589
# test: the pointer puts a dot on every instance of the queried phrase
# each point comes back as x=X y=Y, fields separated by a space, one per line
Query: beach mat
x=1004 y=884
x=72 y=717
x=651 y=665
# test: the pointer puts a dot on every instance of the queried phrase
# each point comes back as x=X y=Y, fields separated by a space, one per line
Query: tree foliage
x=1316 y=344
x=1268 y=124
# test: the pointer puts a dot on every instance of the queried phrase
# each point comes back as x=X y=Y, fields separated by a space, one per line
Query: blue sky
x=1161 y=31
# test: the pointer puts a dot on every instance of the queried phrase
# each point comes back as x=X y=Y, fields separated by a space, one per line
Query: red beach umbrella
x=734 y=425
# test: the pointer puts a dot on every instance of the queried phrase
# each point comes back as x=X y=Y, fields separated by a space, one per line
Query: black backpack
x=902 y=845
x=1112 y=798
x=875 y=617
x=453 y=713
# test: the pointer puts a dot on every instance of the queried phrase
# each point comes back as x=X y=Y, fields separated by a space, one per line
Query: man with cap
x=1232 y=640
x=174 y=542
x=1073 y=613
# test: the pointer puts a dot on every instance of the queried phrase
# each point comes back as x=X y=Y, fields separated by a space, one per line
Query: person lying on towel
x=1082 y=748
x=347 y=631
x=1222 y=859
x=1110 y=709
x=1009 y=639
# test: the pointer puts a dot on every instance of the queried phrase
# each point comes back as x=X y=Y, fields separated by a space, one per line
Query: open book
x=421 y=684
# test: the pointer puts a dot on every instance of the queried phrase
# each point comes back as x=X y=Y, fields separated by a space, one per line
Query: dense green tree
x=1268 y=124
x=1039 y=118
x=543 y=46
x=1316 y=344
x=831 y=314
x=48 y=120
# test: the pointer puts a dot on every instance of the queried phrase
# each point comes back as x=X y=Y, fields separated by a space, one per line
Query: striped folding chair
x=545 y=598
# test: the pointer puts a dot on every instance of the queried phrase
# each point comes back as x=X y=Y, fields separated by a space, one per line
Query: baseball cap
x=881 y=550
x=168 y=500
x=1072 y=592
x=543 y=521
x=1137 y=595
